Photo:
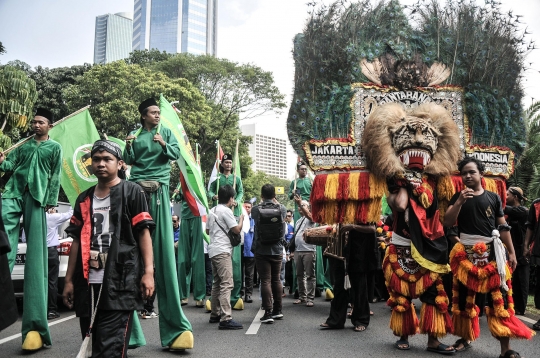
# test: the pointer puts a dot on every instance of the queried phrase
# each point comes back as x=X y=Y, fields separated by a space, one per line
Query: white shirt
x=53 y=221
x=219 y=241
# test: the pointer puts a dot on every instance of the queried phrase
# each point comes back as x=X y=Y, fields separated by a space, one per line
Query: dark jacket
x=124 y=267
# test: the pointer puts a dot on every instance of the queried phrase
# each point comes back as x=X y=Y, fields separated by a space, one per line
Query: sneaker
x=230 y=324
x=248 y=299
x=142 y=313
x=149 y=315
x=184 y=302
x=267 y=318
x=277 y=315
x=199 y=303
x=214 y=319
x=53 y=315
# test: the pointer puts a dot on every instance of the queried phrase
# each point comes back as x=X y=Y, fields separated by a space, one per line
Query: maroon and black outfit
x=121 y=293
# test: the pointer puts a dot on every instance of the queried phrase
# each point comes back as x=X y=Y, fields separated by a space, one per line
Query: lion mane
x=386 y=120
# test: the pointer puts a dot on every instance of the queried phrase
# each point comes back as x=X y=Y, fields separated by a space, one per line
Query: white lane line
x=10 y=338
x=254 y=327
x=523 y=318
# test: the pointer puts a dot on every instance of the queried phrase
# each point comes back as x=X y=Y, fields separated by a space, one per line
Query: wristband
x=504 y=227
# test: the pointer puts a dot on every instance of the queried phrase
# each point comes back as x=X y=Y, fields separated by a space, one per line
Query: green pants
x=172 y=321
x=323 y=277
x=191 y=259
x=36 y=267
x=137 y=336
x=237 y=274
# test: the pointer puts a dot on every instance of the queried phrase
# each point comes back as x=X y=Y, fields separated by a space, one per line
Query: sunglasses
x=289 y=216
x=175 y=221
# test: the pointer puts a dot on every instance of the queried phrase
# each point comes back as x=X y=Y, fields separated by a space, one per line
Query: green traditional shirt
x=148 y=159
x=304 y=186
x=224 y=180
x=36 y=165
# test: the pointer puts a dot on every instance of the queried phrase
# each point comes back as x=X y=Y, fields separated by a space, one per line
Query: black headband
x=516 y=193
x=107 y=146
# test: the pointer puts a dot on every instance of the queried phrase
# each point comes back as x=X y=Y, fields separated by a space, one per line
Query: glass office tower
x=176 y=26
x=113 y=37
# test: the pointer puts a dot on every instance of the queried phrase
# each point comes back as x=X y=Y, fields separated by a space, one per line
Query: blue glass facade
x=176 y=25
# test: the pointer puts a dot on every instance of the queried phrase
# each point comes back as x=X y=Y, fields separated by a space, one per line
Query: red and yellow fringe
x=480 y=279
x=403 y=321
x=404 y=283
x=435 y=319
x=347 y=198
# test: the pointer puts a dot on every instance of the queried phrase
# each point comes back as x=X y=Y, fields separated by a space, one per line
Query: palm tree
x=527 y=172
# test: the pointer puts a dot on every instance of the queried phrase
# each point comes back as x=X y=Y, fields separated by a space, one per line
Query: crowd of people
x=128 y=246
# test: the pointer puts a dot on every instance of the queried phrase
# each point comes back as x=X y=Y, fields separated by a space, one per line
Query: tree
x=17 y=98
x=50 y=84
x=527 y=171
x=232 y=90
x=254 y=183
x=2 y=49
x=115 y=90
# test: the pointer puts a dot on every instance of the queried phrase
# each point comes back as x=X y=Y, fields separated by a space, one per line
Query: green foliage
x=2 y=49
x=483 y=48
x=147 y=57
x=50 y=84
x=17 y=98
x=527 y=172
x=115 y=90
x=253 y=185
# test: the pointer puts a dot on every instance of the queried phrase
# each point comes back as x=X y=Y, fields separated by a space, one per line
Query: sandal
x=466 y=345
x=298 y=302
x=349 y=314
x=442 y=349
x=510 y=354
x=371 y=313
x=536 y=326
x=402 y=345
x=310 y=304
x=325 y=325
x=359 y=328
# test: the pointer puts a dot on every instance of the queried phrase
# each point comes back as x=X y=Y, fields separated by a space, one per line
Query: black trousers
x=357 y=295
x=537 y=287
x=54 y=267
x=111 y=331
x=208 y=271
x=248 y=270
x=269 y=268
x=520 y=287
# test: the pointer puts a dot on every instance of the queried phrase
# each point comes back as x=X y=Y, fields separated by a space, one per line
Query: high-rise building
x=113 y=37
x=269 y=154
x=175 y=26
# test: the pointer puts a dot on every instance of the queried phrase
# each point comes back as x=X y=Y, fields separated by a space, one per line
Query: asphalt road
x=297 y=335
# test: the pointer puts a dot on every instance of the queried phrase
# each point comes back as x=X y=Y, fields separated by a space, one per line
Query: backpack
x=270 y=226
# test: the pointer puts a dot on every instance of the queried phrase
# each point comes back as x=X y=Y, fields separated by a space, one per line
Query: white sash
x=500 y=255
x=399 y=240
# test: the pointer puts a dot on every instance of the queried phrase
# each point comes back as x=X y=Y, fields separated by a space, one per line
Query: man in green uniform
x=31 y=190
x=190 y=250
x=149 y=151
x=302 y=187
x=225 y=177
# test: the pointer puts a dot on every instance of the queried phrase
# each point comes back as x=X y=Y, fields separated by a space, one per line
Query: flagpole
x=32 y=136
x=236 y=158
x=218 y=160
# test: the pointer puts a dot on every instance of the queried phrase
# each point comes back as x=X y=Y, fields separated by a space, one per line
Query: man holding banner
x=149 y=151
x=226 y=177
x=32 y=189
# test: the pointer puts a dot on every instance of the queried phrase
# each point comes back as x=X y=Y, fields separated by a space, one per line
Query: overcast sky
x=57 y=33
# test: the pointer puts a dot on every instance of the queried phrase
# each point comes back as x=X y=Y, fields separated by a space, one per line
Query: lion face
x=415 y=141
x=424 y=139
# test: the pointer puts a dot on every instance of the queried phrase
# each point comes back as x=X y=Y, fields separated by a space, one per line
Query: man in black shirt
x=531 y=250
x=517 y=218
x=478 y=262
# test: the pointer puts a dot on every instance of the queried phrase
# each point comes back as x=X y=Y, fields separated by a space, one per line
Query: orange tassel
x=317 y=191
x=343 y=191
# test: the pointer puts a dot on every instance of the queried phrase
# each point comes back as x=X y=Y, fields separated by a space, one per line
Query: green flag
x=76 y=135
x=120 y=142
x=190 y=173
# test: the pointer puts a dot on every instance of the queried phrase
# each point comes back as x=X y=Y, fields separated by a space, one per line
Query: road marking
x=254 y=327
x=10 y=338
x=523 y=318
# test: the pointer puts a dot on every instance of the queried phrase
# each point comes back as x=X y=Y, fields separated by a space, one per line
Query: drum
x=319 y=235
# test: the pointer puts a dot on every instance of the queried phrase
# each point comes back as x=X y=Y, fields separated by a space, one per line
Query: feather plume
x=372 y=70
x=437 y=74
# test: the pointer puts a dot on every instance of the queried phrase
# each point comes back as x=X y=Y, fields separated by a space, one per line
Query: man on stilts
x=31 y=190
x=226 y=177
x=149 y=151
